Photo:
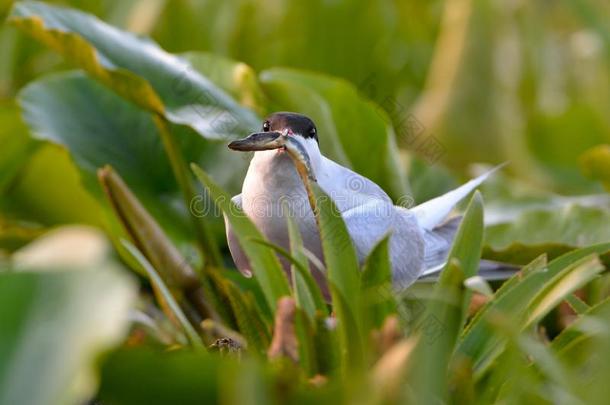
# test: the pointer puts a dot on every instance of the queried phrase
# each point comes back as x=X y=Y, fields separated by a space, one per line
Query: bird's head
x=285 y=132
x=276 y=126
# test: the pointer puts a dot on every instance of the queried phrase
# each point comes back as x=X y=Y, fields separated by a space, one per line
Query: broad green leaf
x=140 y=71
x=265 y=265
x=479 y=342
x=553 y=231
x=98 y=128
x=595 y=164
x=35 y=195
x=54 y=326
x=378 y=300
x=136 y=68
x=446 y=311
x=167 y=296
x=236 y=78
x=17 y=146
x=353 y=131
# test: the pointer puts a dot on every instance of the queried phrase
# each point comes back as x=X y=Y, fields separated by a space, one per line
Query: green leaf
x=309 y=303
x=577 y=304
x=586 y=353
x=565 y=283
x=308 y=297
x=343 y=276
x=446 y=311
x=54 y=326
x=100 y=128
x=554 y=231
x=353 y=131
x=378 y=298
x=168 y=298
x=236 y=78
x=309 y=292
x=579 y=331
x=140 y=71
x=48 y=170
x=17 y=146
x=136 y=68
x=265 y=265
x=248 y=317
x=480 y=343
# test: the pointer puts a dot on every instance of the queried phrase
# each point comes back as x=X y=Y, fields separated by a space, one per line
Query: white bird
x=420 y=237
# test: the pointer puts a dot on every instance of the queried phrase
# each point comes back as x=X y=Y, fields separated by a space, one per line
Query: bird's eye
x=266 y=126
x=312 y=131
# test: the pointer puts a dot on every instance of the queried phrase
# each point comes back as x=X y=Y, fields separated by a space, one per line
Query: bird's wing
x=438 y=242
x=347 y=188
x=433 y=212
x=369 y=223
x=239 y=257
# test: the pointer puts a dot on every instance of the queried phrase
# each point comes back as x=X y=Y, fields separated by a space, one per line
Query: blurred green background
x=521 y=81
x=463 y=83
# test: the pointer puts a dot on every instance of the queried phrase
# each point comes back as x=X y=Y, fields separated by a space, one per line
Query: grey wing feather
x=369 y=223
x=438 y=242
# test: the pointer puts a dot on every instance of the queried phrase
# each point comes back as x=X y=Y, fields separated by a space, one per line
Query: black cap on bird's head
x=274 y=126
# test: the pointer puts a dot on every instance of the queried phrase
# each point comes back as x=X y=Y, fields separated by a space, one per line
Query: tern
x=420 y=237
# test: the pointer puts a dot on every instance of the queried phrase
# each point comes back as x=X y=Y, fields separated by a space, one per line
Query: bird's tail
x=437 y=244
x=433 y=213
x=439 y=233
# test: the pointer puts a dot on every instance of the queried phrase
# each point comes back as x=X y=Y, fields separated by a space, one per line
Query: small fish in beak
x=299 y=156
x=260 y=141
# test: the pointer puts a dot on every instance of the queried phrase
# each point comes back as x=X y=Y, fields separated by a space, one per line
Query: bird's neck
x=272 y=173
